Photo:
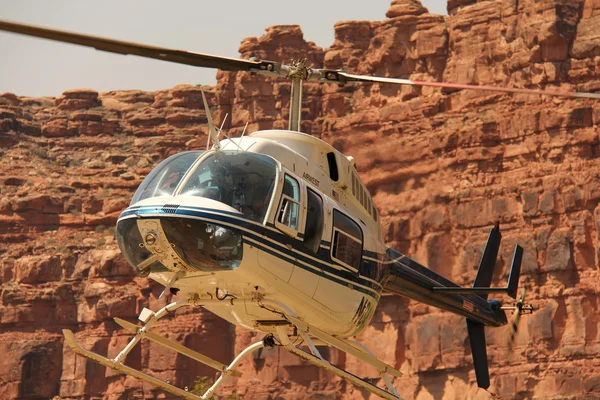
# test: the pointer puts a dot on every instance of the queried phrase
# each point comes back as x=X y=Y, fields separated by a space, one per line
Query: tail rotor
x=519 y=309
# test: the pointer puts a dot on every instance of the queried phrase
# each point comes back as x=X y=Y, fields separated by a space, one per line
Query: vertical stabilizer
x=478 y=348
x=515 y=272
x=488 y=260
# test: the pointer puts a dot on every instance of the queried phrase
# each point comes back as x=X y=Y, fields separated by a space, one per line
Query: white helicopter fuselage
x=303 y=233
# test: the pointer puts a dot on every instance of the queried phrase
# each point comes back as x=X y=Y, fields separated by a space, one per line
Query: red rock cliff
x=442 y=166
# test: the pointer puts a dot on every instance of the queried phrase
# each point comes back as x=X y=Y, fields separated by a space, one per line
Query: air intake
x=170 y=208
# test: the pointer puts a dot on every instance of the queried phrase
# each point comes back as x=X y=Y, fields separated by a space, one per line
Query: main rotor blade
x=142 y=50
x=365 y=78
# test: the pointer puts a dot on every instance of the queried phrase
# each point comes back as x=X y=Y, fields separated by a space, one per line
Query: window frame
x=293 y=232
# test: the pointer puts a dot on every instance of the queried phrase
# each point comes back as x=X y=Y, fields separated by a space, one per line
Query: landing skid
x=314 y=357
x=310 y=335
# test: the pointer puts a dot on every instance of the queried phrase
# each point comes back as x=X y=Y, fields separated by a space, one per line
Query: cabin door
x=288 y=217
x=307 y=269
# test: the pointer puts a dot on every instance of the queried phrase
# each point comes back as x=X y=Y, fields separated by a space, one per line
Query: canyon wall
x=443 y=167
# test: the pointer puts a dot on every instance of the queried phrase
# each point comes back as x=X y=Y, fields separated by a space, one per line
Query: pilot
x=219 y=180
x=239 y=197
x=170 y=182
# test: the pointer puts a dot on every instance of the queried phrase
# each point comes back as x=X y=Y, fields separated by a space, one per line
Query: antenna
x=244 y=131
x=222 y=124
x=238 y=146
x=212 y=130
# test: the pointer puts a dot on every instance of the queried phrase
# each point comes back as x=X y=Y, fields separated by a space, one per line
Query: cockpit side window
x=163 y=179
x=289 y=210
x=347 y=241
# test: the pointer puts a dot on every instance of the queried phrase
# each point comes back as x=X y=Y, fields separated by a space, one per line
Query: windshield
x=244 y=181
x=163 y=179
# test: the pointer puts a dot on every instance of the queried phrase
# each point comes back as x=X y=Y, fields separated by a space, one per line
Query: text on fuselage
x=311 y=179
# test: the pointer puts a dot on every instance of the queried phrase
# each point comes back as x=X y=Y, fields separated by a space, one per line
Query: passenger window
x=360 y=199
x=333 y=170
x=314 y=222
x=289 y=210
x=347 y=241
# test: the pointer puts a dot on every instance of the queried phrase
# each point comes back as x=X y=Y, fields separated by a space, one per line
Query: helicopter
x=275 y=232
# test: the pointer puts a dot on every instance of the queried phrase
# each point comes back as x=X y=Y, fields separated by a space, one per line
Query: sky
x=37 y=67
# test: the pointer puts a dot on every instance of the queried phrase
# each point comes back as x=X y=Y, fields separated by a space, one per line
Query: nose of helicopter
x=179 y=237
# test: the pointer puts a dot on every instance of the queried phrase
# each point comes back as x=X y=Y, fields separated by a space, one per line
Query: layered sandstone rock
x=443 y=167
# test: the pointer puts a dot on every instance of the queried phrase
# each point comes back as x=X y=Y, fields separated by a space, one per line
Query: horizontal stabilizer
x=478 y=349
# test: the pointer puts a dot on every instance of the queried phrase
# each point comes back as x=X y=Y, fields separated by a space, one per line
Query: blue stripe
x=318 y=272
x=267 y=238
x=239 y=216
x=131 y=210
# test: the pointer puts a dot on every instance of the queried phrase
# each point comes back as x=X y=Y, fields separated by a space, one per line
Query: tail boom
x=410 y=279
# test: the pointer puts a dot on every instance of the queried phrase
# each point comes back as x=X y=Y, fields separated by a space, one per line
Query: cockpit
x=242 y=181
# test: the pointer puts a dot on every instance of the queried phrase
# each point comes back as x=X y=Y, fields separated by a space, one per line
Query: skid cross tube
x=382 y=374
x=319 y=362
x=243 y=354
x=178 y=348
x=358 y=350
x=149 y=318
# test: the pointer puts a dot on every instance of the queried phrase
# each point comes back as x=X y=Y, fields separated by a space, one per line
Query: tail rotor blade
x=488 y=260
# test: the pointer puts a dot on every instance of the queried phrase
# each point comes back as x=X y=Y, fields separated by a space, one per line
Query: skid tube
x=356 y=349
x=149 y=318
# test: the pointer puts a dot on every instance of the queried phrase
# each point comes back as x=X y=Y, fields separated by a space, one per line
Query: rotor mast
x=298 y=72
x=295 y=105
